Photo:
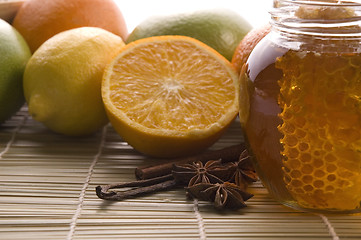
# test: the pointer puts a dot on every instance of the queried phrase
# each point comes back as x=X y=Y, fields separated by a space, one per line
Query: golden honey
x=302 y=116
x=320 y=101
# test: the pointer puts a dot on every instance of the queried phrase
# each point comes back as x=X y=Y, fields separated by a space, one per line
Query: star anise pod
x=244 y=171
x=211 y=172
x=224 y=195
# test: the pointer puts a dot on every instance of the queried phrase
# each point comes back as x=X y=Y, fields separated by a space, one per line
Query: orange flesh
x=172 y=85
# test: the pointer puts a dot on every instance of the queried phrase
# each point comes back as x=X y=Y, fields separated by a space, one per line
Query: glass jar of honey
x=300 y=105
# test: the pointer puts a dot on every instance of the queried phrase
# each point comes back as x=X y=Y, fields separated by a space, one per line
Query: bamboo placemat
x=47 y=192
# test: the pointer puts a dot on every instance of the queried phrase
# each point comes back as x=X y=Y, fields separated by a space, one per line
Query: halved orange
x=170 y=96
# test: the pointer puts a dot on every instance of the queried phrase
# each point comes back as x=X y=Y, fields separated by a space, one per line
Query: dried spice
x=227 y=154
x=222 y=182
x=138 y=188
x=244 y=171
x=224 y=195
x=197 y=172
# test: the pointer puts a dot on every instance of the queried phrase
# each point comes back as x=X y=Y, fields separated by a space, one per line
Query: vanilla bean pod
x=141 y=187
x=228 y=154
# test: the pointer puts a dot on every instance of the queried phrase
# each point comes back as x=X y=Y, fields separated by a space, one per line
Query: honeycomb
x=320 y=100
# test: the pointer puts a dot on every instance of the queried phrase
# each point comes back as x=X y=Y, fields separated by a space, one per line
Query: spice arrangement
x=222 y=181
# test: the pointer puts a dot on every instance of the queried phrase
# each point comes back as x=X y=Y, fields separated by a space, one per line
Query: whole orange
x=247 y=44
x=38 y=20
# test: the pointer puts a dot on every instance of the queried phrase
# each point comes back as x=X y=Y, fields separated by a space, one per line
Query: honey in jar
x=300 y=105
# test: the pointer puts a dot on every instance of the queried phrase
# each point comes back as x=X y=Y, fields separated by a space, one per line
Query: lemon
x=62 y=80
x=170 y=96
x=14 y=54
x=221 y=29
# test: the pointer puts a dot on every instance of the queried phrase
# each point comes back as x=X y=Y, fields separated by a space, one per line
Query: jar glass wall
x=300 y=105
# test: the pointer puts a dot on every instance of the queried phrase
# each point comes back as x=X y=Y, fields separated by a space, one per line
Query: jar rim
x=308 y=23
x=334 y=3
x=317 y=17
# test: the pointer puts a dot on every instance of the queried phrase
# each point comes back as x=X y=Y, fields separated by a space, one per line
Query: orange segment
x=170 y=96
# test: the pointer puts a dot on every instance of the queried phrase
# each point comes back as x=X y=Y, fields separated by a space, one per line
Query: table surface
x=48 y=183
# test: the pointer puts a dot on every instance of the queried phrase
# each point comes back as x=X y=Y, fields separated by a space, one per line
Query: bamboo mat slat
x=47 y=192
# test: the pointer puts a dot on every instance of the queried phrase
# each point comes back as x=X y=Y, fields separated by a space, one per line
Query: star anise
x=193 y=173
x=244 y=171
x=224 y=195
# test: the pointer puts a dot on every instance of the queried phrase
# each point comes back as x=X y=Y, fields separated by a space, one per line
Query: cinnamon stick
x=228 y=154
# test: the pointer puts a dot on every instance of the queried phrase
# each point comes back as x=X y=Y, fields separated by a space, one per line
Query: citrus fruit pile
x=171 y=90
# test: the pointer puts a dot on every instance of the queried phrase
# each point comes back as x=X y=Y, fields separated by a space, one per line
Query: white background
x=135 y=11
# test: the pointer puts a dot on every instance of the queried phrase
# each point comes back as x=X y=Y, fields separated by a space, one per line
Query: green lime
x=221 y=29
x=14 y=54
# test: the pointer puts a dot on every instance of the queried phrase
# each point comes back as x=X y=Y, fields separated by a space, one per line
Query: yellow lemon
x=170 y=96
x=62 y=80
